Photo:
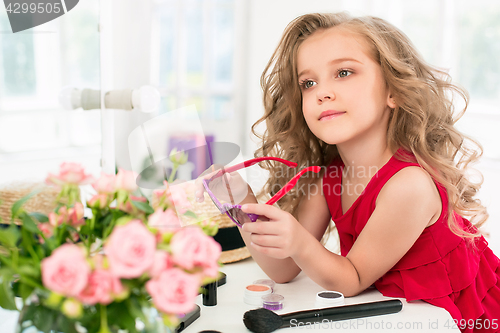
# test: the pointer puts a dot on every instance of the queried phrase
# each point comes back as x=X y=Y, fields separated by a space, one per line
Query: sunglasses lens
x=215 y=201
x=238 y=215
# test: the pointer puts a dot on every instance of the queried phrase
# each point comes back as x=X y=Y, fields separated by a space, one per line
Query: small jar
x=267 y=282
x=254 y=292
x=329 y=298
x=273 y=302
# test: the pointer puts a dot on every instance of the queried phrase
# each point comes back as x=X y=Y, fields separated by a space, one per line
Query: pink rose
x=130 y=249
x=47 y=230
x=56 y=219
x=159 y=199
x=174 y=291
x=128 y=207
x=162 y=261
x=105 y=184
x=177 y=195
x=69 y=173
x=62 y=216
x=75 y=215
x=162 y=220
x=66 y=271
x=101 y=288
x=126 y=180
x=191 y=247
x=99 y=201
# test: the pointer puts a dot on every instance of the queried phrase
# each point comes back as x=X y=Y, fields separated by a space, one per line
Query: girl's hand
x=230 y=187
x=280 y=237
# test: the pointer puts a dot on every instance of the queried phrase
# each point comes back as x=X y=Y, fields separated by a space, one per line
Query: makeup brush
x=264 y=321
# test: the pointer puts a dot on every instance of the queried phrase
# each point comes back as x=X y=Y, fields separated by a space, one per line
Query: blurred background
x=208 y=55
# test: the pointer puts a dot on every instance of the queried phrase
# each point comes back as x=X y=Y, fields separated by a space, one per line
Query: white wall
x=131 y=56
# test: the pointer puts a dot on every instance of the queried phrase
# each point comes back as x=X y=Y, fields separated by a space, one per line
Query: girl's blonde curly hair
x=422 y=122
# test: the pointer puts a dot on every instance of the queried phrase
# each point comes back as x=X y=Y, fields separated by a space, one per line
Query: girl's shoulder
x=410 y=178
x=413 y=188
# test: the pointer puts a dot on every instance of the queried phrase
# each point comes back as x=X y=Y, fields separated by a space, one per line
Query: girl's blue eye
x=344 y=73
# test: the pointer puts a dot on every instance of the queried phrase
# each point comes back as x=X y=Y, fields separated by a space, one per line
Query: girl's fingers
x=265 y=240
x=269 y=251
x=271 y=212
x=273 y=228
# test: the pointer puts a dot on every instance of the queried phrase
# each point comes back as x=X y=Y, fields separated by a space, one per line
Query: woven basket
x=208 y=209
x=43 y=202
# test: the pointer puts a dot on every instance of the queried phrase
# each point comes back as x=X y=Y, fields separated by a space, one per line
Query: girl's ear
x=391 y=102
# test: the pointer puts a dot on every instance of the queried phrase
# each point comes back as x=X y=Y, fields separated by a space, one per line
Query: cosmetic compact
x=329 y=298
x=254 y=292
x=273 y=302
x=267 y=282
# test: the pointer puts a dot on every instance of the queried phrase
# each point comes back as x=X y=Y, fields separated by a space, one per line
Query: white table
x=300 y=294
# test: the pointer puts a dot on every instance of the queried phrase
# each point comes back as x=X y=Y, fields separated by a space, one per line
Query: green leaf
x=29 y=224
x=190 y=214
x=85 y=230
x=49 y=246
x=28 y=241
x=7 y=300
x=16 y=207
x=143 y=206
x=107 y=220
x=44 y=319
x=39 y=217
x=90 y=320
x=6 y=261
x=29 y=270
x=27 y=313
x=66 y=325
x=118 y=315
x=9 y=236
x=135 y=309
x=25 y=291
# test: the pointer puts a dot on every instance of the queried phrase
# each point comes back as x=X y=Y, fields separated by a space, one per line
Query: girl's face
x=345 y=98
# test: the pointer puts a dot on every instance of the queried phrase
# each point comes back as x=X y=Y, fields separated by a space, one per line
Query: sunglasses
x=234 y=211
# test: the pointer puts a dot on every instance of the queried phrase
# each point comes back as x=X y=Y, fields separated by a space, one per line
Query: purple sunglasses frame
x=227 y=207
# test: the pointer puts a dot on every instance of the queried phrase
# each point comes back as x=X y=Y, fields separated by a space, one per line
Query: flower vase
x=37 y=318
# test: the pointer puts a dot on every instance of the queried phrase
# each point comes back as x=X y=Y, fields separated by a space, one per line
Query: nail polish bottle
x=210 y=294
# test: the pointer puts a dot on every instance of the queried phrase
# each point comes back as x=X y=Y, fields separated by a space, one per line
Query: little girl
x=353 y=95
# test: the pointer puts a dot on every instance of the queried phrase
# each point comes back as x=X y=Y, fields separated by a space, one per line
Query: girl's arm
x=314 y=218
x=407 y=203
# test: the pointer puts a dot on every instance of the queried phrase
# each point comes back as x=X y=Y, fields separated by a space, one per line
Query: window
x=195 y=56
x=462 y=37
x=34 y=66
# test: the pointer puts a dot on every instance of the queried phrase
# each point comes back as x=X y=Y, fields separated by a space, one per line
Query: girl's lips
x=330 y=114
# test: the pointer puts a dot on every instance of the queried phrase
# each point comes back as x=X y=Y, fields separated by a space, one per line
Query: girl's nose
x=324 y=95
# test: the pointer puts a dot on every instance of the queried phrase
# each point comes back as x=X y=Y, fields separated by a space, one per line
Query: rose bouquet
x=128 y=266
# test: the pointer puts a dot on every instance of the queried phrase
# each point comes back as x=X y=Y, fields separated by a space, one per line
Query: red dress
x=441 y=268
